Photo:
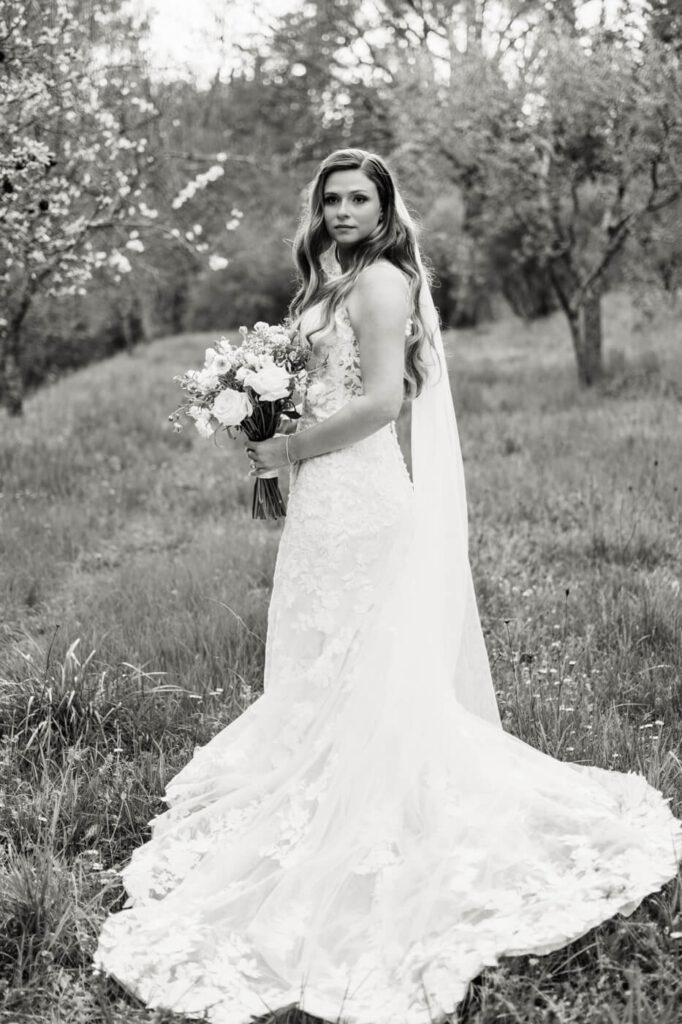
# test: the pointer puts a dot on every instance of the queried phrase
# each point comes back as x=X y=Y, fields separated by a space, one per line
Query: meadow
x=134 y=589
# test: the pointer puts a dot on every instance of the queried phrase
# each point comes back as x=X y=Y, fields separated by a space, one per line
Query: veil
x=443 y=586
x=440 y=606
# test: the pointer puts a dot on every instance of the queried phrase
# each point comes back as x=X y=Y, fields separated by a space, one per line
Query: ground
x=133 y=596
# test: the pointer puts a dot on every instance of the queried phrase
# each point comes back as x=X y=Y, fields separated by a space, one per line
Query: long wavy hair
x=393 y=239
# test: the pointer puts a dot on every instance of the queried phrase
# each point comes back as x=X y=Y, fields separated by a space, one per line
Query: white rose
x=271 y=382
x=242 y=372
x=231 y=407
x=202 y=420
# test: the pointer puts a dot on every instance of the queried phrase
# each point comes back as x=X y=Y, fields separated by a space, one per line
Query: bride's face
x=351 y=207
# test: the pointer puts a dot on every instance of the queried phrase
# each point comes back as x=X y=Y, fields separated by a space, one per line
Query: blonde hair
x=394 y=239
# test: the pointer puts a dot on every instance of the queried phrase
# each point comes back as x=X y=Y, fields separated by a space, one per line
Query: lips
x=343 y=227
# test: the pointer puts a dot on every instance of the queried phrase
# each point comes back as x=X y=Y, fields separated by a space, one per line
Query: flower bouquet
x=248 y=388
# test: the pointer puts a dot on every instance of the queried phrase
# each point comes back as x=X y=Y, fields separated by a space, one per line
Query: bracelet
x=286 y=449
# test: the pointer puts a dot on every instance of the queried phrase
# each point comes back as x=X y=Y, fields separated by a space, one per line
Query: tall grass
x=134 y=590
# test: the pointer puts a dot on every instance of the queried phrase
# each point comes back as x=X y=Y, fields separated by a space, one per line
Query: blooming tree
x=78 y=196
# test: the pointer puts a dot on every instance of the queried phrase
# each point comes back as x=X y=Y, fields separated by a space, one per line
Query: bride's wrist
x=289 y=451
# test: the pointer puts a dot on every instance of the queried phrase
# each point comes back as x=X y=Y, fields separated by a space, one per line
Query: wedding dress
x=365 y=838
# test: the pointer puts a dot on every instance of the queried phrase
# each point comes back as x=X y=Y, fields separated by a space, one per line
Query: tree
x=568 y=161
x=77 y=183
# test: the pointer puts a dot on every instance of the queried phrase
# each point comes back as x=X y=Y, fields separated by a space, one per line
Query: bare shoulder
x=383 y=275
x=380 y=290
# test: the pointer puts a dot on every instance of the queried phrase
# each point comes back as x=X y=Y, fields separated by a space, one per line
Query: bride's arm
x=378 y=308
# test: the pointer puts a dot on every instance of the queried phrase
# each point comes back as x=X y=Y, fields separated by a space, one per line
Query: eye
x=328 y=200
x=361 y=199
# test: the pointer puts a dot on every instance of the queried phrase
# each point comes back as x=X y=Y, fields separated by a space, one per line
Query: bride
x=365 y=838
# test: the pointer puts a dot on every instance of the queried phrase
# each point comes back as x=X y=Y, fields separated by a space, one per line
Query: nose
x=343 y=208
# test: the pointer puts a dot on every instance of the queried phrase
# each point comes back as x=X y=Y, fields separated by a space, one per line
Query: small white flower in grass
x=135 y=245
x=231 y=407
x=216 y=262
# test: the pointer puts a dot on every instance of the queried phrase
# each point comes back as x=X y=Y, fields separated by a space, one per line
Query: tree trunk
x=11 y=380
x=586 y=332
x=11 y=377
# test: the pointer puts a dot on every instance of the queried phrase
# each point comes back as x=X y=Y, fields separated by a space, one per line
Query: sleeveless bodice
x=335 y=377
x=333 y=364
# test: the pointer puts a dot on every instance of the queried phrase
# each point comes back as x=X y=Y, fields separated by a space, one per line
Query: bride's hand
x=267 y=455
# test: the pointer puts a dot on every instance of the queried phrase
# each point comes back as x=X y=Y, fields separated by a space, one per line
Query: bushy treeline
x=537 y=182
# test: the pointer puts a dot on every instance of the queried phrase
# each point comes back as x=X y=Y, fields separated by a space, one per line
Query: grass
x=133 y=595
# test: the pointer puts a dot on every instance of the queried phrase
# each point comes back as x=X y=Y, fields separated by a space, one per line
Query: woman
x=339 y=845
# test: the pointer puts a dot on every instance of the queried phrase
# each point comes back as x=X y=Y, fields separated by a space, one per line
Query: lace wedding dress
x=363 y=840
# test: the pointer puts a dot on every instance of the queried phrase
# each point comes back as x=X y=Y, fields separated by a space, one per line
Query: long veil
x=444 y=588
x=440 y=609
x=443 y=600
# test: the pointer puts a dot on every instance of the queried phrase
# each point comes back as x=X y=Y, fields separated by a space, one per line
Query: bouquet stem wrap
x=261 y=425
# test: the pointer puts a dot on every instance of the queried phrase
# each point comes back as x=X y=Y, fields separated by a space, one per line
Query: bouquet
x=248 y=388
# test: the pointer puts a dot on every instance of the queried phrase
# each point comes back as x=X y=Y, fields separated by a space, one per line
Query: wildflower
x=202 y=420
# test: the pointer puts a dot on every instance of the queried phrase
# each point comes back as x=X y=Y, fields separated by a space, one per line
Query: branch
x=620 y=234
x=558 y=285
